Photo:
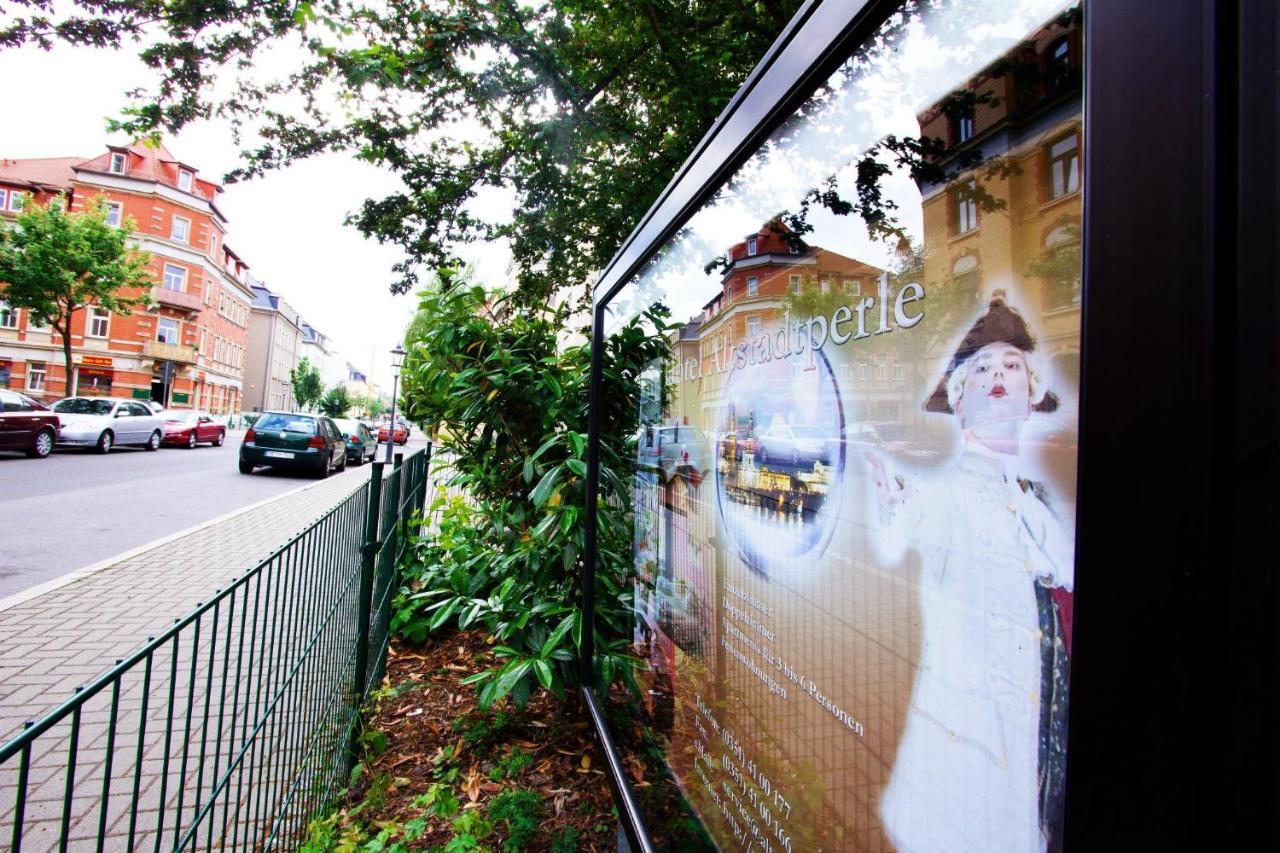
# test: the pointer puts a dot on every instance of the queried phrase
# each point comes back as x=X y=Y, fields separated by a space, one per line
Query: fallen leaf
x=472 y=785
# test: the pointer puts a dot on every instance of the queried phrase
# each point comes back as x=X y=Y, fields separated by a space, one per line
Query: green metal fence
x=234 y=726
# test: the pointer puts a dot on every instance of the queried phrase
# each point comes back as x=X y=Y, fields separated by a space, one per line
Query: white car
x=104 y=422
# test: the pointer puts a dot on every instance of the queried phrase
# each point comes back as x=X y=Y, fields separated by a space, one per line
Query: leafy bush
x=511 y=397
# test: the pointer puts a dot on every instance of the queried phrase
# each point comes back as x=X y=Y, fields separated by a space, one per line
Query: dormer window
x=186 y=180
x=751 y=247
x=117 y=163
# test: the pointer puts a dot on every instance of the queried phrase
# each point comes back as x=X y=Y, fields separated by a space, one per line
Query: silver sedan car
x=104 y=422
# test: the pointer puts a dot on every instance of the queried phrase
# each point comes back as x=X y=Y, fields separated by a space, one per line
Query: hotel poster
x=854 y=478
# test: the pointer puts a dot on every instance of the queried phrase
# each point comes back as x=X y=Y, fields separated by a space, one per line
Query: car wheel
x=153 y=443
x=342 y=466
x=191 y=441
x=220 y=440
x=105 y=441
x=43 y=445
x=324 y=470
x=245 y=467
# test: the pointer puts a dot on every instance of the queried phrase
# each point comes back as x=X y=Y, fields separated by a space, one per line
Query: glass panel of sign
x=852 y=483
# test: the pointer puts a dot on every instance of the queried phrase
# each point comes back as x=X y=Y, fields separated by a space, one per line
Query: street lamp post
x=397 y=359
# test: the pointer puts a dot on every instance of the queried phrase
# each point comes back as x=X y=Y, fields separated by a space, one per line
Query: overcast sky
x=287 y=226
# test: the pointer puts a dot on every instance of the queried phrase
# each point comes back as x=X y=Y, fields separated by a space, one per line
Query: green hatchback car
x=311 y=443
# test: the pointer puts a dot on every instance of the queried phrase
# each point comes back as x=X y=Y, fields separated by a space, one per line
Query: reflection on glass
x=855 y=477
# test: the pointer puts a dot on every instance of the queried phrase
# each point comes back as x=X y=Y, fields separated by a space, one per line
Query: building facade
x=275 y=340
x=188 y=350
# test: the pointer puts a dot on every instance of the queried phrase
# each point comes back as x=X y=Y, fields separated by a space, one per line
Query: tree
x=583 y=111
x=308 y=387
x=336 y=401
x=374 y=406
x=55 y=263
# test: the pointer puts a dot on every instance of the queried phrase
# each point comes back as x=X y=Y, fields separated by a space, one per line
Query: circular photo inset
x=779 y=462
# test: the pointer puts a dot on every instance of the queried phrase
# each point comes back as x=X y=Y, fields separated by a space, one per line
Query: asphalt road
x=77 y=508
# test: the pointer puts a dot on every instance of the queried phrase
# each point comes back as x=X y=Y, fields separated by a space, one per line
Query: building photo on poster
x=854 y=476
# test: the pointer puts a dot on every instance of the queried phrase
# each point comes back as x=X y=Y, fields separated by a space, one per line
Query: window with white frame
x=8 y=316
x=168 y=331
x=899 y=372
x=966 y=209
x=853 y=287
x=1064 y=167
x=795 y=284
x=36 y=375
x=99 y=322
x=751 y=247
x=16 y=200
x=115 y=212
x=753 y=327
x=181 y=230
x=185 y=180
x=862 y=370
x=117 y=163
x=753 y=286
x=34 y=324
x=824 y=285
x=881 y=365
x=793 y=249
x=4 y=198
x=175 y=277
x=964 y=129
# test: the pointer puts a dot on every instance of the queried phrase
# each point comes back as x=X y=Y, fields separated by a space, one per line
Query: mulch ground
x=434 y=733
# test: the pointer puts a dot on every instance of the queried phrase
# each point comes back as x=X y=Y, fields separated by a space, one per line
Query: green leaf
x=542 y=492
x=477 y=677
x=543 y=670
x=527 y=473
x=577 y=466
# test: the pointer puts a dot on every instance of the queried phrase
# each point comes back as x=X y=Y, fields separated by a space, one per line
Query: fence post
x=426 y=479
x=368 y=559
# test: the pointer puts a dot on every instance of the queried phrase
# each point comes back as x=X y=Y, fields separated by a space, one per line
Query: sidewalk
x=63 y=638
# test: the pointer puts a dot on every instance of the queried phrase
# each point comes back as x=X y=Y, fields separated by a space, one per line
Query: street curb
x=79 y=574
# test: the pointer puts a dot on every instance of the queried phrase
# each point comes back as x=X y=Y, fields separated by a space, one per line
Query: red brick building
x=187 y=352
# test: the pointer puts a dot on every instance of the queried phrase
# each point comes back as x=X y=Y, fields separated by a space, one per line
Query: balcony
x=176 y=299
x=161 y=351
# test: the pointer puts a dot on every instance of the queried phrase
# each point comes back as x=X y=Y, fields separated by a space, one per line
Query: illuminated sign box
x=855 y=478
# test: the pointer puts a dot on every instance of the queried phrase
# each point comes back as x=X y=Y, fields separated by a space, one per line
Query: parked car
x=735 y=443
x=303 y=442
x=856 y=436
x=191 y=428
x=26 y=425
x=674 y=448
x=400 y=436
x=105 y=422
x=359 y=438
x=794 y=444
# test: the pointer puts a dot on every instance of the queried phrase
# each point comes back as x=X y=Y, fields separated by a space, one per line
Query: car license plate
x=278 y=454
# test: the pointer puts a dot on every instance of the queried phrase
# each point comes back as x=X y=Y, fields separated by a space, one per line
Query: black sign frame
x=1174 y=698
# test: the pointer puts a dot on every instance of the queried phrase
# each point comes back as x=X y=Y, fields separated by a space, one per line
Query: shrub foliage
x=509 y=397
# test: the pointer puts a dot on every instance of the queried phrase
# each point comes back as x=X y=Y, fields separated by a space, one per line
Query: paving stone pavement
x=59 y=640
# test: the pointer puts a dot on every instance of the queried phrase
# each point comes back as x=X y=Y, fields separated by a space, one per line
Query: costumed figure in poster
x=980 y=765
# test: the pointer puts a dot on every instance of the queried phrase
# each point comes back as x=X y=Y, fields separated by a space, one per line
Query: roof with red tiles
x=150 y=163
x=46 y=172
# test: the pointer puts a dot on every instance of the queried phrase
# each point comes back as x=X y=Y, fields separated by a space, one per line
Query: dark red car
x=187 y=429
x=26 y=425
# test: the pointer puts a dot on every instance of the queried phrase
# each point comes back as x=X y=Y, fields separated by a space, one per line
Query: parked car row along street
x=291 y=440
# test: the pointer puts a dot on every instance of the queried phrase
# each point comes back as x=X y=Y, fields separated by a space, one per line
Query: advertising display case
x=894 y=580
